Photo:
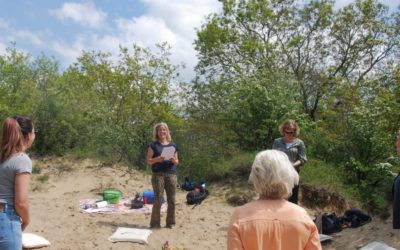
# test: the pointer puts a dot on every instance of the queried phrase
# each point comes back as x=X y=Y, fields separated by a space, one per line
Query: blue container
x=148 y=197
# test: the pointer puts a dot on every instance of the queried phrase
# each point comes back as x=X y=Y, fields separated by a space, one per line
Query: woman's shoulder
x=244 y=210
x=20 y=159
x=300 y=211
x=21 y=156
x=154 y=143
x=298 y=141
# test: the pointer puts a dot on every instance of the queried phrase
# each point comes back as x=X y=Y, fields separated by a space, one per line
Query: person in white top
x=15 y=173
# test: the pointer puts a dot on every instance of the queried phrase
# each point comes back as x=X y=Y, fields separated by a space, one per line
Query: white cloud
x=2 y=48
x=145 y=31
x=12 y=35
x=86 y=14
x=171 y=21
x=3 y=24
x=25 y=35
x=69 y=52
x=183 y=16
x=107 y=43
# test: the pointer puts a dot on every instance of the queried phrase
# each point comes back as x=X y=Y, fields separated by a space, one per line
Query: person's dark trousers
x=295 y=192
x=396 y=202
x=295 y=195
x=161 y=181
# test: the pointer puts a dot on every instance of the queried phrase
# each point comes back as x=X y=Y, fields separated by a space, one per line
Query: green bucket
x=112 y=196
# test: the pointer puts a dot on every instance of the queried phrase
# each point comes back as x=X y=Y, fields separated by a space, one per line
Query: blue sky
x=64 y=28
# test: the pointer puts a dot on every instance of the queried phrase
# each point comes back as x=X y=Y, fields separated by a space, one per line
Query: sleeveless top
x=165 y=166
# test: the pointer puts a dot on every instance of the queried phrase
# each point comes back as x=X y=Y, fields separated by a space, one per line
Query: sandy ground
x=62 y=182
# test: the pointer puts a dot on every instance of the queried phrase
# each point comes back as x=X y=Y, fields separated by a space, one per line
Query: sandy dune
x=55 y=212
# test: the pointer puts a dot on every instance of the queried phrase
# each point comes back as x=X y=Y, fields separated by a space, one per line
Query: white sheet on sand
x=324 y=237
x=130 y=234
x=376 y=245
x=30 y=240
x=84 y=207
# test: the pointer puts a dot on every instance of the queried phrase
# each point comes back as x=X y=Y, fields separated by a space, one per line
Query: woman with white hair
x=272 y=222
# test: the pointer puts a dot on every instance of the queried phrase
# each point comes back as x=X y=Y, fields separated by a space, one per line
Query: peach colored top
x=272 y=224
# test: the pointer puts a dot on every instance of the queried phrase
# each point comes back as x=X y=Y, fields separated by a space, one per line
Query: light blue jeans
x=10 y=229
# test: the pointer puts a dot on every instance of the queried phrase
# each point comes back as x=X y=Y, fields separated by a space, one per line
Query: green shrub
x=36 y=170
x=370 y=182
x=43 y=178
x=238 y=166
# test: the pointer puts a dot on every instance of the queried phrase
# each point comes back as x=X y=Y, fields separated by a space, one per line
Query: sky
x=63 y=29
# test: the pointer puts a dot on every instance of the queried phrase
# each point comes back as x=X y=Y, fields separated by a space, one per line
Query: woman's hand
x=24 y=224
x=158 y=159
x=151 y=160
x=175 y=159
x=296 y=164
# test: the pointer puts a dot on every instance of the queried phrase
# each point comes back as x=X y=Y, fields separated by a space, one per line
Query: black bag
x=355 y=217
x=330 y=223
x=137 y=202
x=196 y=196
x=188 y=185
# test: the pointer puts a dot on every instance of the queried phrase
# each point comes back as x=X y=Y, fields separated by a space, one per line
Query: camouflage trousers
x=161 y=181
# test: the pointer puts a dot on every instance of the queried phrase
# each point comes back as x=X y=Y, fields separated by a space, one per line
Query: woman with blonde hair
x=293 y=147
x=272 y=222
x=163 y=166
x=15 y=173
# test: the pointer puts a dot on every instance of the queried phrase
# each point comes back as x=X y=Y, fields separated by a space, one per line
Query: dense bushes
x=249 y=79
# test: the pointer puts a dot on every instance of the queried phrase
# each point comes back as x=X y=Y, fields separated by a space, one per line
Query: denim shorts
x=10 y=229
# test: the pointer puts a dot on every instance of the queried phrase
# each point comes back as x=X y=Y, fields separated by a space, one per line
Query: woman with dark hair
x=15 y=173
x=162 y=155
x=293 y=147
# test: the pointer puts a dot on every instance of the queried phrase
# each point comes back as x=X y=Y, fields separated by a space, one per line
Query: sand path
x=55 y=212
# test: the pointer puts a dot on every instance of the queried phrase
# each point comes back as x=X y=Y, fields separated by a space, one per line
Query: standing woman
x=15 y=174
x=294 y=149
x=396 y=191
x=163 y=166
x=272 y=222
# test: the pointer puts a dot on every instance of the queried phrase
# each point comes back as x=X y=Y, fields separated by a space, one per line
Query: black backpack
x=355 y=217
x=196 y=196
x=188 y=185
x=330 y=223
x=137 y=202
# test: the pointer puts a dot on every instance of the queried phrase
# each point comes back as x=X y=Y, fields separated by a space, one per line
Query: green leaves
x=98 y=105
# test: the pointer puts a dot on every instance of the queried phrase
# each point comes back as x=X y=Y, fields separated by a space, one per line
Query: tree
x=318 y=46
x=121 y=101
x=17 y=84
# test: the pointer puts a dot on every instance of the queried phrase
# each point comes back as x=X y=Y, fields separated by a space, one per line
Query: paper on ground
x=130 y=234
x=376 y=245
x=30 y=240
x=324 y=237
